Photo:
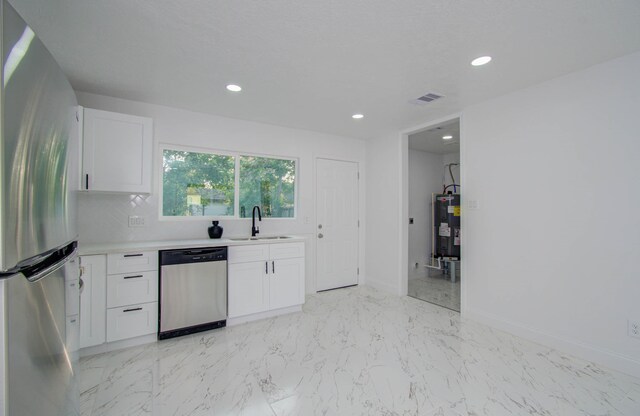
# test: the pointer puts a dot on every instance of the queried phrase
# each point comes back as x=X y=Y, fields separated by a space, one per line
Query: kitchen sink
x=275 y=237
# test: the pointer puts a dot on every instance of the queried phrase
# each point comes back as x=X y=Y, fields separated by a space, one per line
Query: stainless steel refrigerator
x=37 y=229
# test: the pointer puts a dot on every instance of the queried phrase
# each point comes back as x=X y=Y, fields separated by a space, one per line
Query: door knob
x=320 y=235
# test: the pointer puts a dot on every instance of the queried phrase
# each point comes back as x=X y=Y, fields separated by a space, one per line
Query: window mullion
x=236 y=199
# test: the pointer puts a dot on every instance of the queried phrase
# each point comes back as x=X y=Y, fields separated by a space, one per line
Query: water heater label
x=444 y=230
x=456 y=211
x=450 y=209
x=456 y=237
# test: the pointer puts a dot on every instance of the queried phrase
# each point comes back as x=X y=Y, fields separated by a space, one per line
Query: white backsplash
x=103 y=218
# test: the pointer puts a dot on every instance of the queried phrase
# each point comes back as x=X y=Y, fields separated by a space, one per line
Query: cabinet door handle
x=133 y=255
x=133 y=277
x=86 y=182
x=273 y=267
x=132 y=310
x=266 y=267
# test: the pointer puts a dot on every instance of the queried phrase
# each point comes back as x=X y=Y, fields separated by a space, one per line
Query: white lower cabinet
x=119 y=299
x=265 y=277
x=93 y=305
x=132 y=321
x=132 y=295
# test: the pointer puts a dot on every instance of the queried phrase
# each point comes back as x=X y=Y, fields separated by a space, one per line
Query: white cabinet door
x=131 y=288
x=248 y=288
x=286 y=283
x=116 y=154
x=93 y=300
x=132 y=321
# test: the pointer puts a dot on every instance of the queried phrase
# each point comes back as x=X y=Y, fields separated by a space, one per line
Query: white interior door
x=337 y=224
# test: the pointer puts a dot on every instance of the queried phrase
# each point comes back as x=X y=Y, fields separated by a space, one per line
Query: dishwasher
x=193 y=291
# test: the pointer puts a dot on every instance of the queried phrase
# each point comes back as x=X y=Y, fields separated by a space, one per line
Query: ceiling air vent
x=427 y=98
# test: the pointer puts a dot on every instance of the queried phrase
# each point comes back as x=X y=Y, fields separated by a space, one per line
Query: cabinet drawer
x=132 y=321
x=286 y=250
x=243 y=254
x=135 y=261
x=130 y=288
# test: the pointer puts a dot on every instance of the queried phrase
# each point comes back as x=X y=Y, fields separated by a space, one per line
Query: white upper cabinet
x=117 y=152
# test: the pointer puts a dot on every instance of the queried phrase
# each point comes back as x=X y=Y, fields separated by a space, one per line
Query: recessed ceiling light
x=357 y=116
x=448 y=137
x=234 y=88
x=481 y=61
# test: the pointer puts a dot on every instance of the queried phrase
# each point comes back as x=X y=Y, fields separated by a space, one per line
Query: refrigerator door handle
x=46 y=264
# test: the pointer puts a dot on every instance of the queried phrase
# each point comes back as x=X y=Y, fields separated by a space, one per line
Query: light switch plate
x=136 y=221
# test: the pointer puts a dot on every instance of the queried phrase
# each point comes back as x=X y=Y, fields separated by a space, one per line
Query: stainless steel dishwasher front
x=193 y=290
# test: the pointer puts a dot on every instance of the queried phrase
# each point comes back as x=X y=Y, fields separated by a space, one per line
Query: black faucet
x=255 y=230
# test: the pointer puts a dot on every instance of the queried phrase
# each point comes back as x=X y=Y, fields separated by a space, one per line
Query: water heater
x=446 y=226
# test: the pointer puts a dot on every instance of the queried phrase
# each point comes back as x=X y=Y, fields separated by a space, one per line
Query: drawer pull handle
x=273 y=267
x=133 y=277
x=266 y=267
x=133 y=255
x=132 y=310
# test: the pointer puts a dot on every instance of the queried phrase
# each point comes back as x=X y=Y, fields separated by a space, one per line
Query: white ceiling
x=431 y=141
x=312 y=64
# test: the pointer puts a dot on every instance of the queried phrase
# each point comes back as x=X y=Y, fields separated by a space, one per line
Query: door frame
x=361 y=215
x=404 y=206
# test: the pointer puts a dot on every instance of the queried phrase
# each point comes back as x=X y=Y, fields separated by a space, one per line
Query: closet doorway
x=434 y=215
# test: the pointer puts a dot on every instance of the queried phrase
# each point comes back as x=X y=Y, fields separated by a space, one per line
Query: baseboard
x=579 y=349
x=263 y=315
x=118 y=345
x=382 y=286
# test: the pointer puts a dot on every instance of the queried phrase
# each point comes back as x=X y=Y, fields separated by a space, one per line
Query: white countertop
x=107 y=248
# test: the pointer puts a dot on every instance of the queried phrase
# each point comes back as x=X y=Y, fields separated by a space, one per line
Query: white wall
x=103 y=217
x=384 y=220
x=552 y=252
x=425 y=178
x=452 y=158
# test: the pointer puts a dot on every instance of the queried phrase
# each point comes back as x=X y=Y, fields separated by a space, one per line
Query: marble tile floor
x=437 y=289
x=353 y=351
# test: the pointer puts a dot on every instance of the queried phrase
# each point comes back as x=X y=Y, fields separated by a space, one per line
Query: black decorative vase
x=215 y=231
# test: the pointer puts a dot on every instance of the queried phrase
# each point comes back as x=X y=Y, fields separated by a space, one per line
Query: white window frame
x=236 y=202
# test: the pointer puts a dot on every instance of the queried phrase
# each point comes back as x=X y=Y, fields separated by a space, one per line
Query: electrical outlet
x=633 y=329
x=136 y=221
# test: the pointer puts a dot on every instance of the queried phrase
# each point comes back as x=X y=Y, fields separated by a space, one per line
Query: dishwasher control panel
x=193 y=255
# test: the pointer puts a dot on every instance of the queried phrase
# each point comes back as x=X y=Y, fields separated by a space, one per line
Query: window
x=204 y=184
x=197 y=184
x=268 y=183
